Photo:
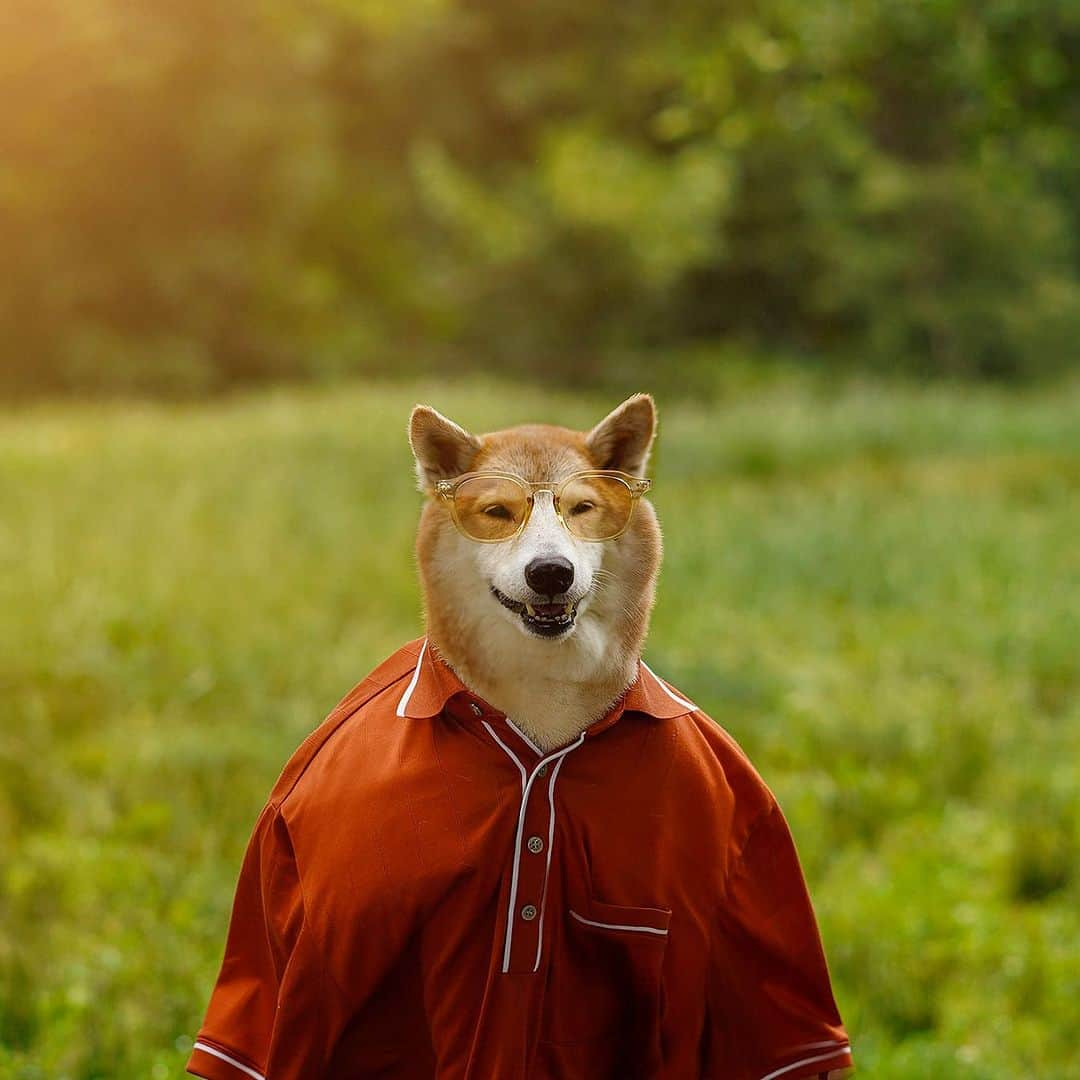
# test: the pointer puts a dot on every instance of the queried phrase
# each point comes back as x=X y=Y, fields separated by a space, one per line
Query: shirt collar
x=433 y=683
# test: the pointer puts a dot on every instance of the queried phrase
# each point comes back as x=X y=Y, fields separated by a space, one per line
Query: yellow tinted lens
x=596 y=507
x=490 y=507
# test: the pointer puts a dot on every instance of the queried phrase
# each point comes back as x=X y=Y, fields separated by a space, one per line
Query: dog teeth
x=530 y=609
x=568 y=607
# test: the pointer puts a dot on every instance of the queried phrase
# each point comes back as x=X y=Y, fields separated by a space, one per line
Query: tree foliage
x=194 y=194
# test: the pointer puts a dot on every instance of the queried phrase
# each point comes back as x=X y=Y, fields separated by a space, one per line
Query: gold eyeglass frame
x=447 y=489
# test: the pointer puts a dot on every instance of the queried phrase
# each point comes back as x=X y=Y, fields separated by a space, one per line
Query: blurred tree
x=192 y=195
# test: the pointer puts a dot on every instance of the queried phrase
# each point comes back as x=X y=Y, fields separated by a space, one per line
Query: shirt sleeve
x=273 y=1013
x=770 y=1008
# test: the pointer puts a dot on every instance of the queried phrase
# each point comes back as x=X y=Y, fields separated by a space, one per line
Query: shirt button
x=542 y=771
x=476 y=710
x=528 y=913
x=536 y=844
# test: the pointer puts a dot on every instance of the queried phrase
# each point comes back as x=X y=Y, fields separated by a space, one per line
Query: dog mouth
x=544 y=620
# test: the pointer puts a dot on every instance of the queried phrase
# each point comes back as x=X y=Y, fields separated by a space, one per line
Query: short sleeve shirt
x=428 y=894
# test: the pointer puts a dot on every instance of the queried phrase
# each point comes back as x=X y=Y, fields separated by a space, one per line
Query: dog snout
x=550 y=575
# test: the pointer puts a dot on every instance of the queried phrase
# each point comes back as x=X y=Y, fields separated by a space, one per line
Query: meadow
x=875 y=587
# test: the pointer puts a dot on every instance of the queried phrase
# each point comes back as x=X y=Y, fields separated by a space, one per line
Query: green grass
x=877 y=591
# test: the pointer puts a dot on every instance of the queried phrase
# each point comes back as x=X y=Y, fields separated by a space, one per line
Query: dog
x=553 y=680
x=513 y=851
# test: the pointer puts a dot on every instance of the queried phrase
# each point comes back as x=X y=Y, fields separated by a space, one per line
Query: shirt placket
x=534 y=838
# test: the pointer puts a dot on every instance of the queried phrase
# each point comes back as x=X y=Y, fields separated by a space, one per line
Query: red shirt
x=427 y=895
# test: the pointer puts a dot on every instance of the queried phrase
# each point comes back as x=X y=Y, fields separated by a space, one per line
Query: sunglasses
x=491 y=507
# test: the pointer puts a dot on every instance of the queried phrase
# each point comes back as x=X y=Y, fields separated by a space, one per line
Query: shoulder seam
x=306 y=925
x=751 y=829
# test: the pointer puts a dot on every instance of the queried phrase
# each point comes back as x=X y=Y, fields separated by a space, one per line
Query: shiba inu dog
x=549 y=624
x=512 y=851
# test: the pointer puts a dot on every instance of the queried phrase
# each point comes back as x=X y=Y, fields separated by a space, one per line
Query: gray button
x=536 y=844
x=477 y=711
x=528 y=913
x=542 y=771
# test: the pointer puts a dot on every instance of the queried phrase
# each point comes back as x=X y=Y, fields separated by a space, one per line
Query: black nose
x=551 y=575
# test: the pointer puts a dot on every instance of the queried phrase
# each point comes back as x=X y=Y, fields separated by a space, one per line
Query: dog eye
x=583 y=507
x=497 y=510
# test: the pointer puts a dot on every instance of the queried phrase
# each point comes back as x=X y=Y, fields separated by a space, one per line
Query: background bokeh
x=198 y=194
x=839 y=241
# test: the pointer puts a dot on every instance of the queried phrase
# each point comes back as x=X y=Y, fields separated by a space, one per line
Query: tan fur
x=550 y=689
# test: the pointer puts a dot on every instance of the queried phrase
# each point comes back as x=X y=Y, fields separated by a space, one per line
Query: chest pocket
x=606 y=982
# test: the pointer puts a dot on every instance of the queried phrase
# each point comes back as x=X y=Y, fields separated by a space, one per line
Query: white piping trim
x=230 y=1060
x=844 y=1049
x=547 y=867
x=412 y=683
x=674 y=697
x=526 y=787
x=513 y=757
x=616 y=926
x=517 y=845
x=532 y=746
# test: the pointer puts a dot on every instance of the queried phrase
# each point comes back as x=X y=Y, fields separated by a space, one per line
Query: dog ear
x=623 y=439
x=441 y=448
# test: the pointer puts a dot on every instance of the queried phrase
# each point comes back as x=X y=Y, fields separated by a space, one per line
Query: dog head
x=545 y=584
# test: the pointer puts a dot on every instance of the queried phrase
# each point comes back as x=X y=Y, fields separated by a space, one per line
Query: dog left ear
x=442 y=449
x=623 y=439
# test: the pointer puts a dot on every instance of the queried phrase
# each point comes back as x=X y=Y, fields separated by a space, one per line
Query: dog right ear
x=441 y=448
x=623 y=439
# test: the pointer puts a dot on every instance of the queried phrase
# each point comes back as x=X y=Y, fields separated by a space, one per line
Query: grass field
x=875 y=590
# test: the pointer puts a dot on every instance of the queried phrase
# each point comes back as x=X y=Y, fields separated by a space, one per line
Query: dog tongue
x=549 y=609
